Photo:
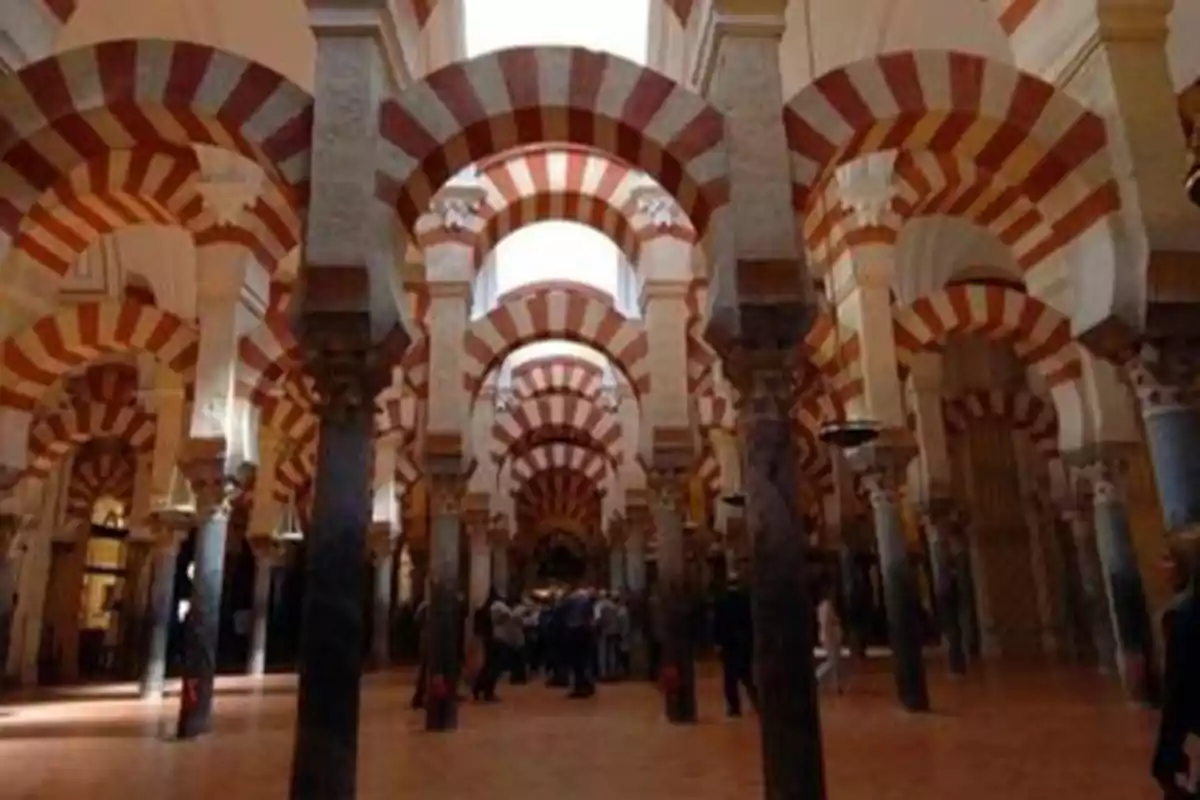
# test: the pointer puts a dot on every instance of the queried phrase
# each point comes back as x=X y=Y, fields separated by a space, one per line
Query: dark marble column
x=349 y=372
x=1163 y=377
x=855 y=594
x=133 y=609
x=268 y=553
x=789 y=716
x=964 y=573
x=214 y=495
x=1094 y=597
x=882 y=464
x=1078 y=638
x=444 y=619
x=1123 y=579
x=8 y=591
x=938 y=522
x=636 y=526
x=160 y=608
x=677 y=674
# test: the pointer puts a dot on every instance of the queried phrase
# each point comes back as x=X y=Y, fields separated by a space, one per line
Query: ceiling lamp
x=288 y=529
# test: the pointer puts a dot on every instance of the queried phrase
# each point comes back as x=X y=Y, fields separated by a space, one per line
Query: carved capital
x=661 y=209
x=456 y=213
x=349 y=373
x=212 y=485
x=1163 y=376
x=167 y=538
x=883 y=465
x=765 y=382
x=446 y=494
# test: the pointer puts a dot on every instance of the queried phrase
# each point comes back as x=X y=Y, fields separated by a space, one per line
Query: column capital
x=765 y=382
x=168 y=539
x=205 y=468
x=349 y=366
x=1102 y=470
x=883 y=465
x=1163 y=374
x=446 y=494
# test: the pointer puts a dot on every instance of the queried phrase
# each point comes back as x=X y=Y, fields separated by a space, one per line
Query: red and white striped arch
x=559 y=493
x=148 y=186
x=69 y=109
x=99 y=472
x=473 y=109
x=556 y=416
x=1040 y=336
x=568 y=375
x=41 y=354
x=946 y=184
x=1021 y=409
x=557 y=182
x=295 y=472
x=700 y=356
x=559 y=455
x=109 y=383
x=1048 y=145
x=56 y=433
x=577 y=316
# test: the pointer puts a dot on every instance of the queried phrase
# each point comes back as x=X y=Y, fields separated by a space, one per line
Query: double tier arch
x=558 y=375
x=482 y=107
x=556 y=417
x=570 y=313
x=545 y=183
x=1011 y=124
x=1020 y=408
x=558 y=495
x=69 y=109
x=100 y=469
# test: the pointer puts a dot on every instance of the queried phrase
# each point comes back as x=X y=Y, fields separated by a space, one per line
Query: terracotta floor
x=1008 y=734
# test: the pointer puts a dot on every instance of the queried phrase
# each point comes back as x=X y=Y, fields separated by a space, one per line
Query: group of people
x=574 y=637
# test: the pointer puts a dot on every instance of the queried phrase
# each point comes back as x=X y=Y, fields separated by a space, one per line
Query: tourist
x=829 y=627
x=483 y=624
x=421 y=621
x=509 y=641
x=624 y=638
x=1176 y=764
x=733 y=635
x=579 y=640
x=607 y=637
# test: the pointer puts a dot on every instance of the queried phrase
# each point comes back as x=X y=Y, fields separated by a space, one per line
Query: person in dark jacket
x=1176 y=764
x=733 y=634
x=484 y=687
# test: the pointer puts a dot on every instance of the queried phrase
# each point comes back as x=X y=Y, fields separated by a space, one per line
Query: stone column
x=636 y=524
x=268 y=554
x=616 y=560
x=883 y=464
x=937 y=518
x=214 y=492
x=1099 y=634
x=444 y=619
x=789 y=716
x=480 y=578
x=678 y=672
x=349 y=372
x=137 y=562
x=349 y=342
x=1123 y=579
x=1163 y=377
x=164 y=563
x=499 y=542
x=382 y=545
x=10 y=530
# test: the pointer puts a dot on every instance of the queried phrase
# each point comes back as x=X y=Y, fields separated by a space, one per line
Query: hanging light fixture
x=288 y=529
x=178 y=510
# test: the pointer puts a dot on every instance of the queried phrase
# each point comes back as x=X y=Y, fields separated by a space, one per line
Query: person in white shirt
x=830 y=631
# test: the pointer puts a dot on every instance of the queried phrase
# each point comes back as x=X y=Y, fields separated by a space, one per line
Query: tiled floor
x=1012 y=735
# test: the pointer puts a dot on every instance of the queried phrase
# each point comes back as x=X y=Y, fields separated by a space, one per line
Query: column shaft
x=1173 y=436
x=8 y=580
x=789 y=716
x=381 y=638
x=1126 y=596
x=162 y=606
x=1094 y=599
x=900 y=600
x=444 y=621
x=325 y=758
x=202 y=626
x=264 y=572
x=946 y=598
x=678 y=672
